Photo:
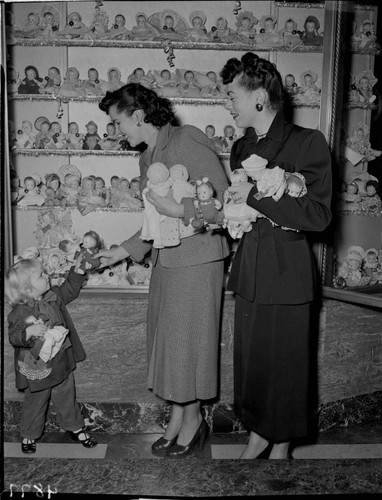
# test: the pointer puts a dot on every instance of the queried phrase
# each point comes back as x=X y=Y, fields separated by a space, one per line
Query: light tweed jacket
x=192 y=148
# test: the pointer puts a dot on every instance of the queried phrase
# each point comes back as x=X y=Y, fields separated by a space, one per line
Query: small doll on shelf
x=13 y=80
x=308 y=92
x=71 y=188
x=245 y=30
x=92 y=85
x=211 y=87
x=43 y=137
x=111 y=139
x=101 y=190
x=100 y=23
x=208 y=210
x=359 y=142
x=310 y=34
x=126 y=195
x=372 y=265
x=32 y=83
x=268 y=35
x=139 y=76
x=70 y=247
x=58 y=138
x=221 y=33
x=170 y=25
x=143 y=30
x=90 y=246
x=32 y=27
x=88 y=199
x=188 y=85
x=351 y=269
x=198 y=30
x=113 y=80
x=135 y=186
x=54 y=194
x=368 y=40
x=114 y=191
x=92 y=139
x=75 y=29
x=50 y=22
x=166 y=83
x=30 y=196
x=26 y=137
x=371 y=200
x=72 y=85
x=350 y=199
x=290 y=84
x=218 y=142
x=118 y=31
x=290 y=35
x=229 y=137
x=52 y=81
x=74 y=138
x=362 y=88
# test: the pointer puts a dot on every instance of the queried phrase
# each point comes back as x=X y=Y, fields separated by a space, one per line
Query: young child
x=36 y=311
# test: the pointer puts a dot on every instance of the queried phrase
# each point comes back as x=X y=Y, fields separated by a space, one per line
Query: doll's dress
x=127 y=200
x=74 y=141
x=210 y=214
x=86 y=255
x=371 y=203
x=14 y=83
x=246 y=36
x=152 y=219
x=58 y=141
x=366 y=96
x=93 y=89
x=289 y=39
x=42 y=140
x=73 y=33
x=110 y=86
x=308 y=95
x=227 y=143
x=29 y=87
x=368 y=42
x=349 y=202
x=187 y=89
x=268 y=39
x=147 y=80
x=31 y=199
x=166 y=88
x=312 y=39
x=25 y=141
x=91 y=142
x=52 y=86
x=225 y=35
x=148 y=33
x=98 y=26
x=72 y=89
x=28 y=32
x=120 y=33
x=210 y=89
x=197 y=35
x=71 y=195
x=111 y=142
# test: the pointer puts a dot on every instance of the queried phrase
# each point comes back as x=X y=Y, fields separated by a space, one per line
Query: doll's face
x=204 y=192
x=352 y=189
x=72 y=75
x=54 y=184
x=371 y=258
x=15 y=182
x=135 y=187
x=124 y=184
x=26 y=127
x=73 y=128
x=55 y=128
x=30 y=74
x=99 y=184
x=53 y=73
x=354 y=264
x=366 y=28
x=370 y=190
x=88 y=184
x=73 y=183
x=210 y=131
x=75 y=18
x=89 y=242
x=119 y=21
x=114 y=183
x=110 y=129
x=29 y=184
x=245 y=23
x=54 y=261
x=165 y=74
x=45 y=126
x=229 y=132
x=141 y=21
x=360 y=134
x=212 y=76
x=189 y=76
x=169 y=22
x=364 y=82
x=32 y=20
x=197 y=22
x=220 y=24
x=294 y=187
x=93 y=75
x=49 y=19
x=91 y=128
x=113 y=75
x=289 y=81
x=308 y=80
x=268 y=24
x=289 y=26
x=310 y=27
x=139 y=73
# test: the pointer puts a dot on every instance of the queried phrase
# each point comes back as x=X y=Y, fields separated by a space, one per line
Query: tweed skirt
x=183 y=331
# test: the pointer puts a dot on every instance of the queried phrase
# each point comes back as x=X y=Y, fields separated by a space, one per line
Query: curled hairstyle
x=17 y=285
x=254 y=73
x=133 y=96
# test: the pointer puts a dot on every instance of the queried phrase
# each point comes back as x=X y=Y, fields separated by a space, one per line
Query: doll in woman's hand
x=90 y=246
x=209 y=209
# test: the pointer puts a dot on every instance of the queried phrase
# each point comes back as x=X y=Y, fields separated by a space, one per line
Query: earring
x=259 y=107
x=139 y=124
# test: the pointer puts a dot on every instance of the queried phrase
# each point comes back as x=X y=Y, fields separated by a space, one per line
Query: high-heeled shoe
x=179 y=451
x=162 y=445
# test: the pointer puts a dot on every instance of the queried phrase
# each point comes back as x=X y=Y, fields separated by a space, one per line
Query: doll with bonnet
x=351 y=269
x=245 y=27
x=166 y=83
x=198 y=30
x=308 y=92
x=221 y=32
x=143 y=30
x=72 y=86
x=188 y=83
x=290 y=36
x=75 y=29
x=268 y=36
x=25 y=136
x=367 y=38
x=118 y=30
x=170 y=25
x=113 y=80
x=50 y=22
x=362 y=87
x=311 y=35
x=32 y=27
x=44 y=136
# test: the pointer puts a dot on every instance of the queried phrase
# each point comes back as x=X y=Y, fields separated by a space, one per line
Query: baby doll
x=228 y=138
x=139 y=76
x=113 y=81
x=218 y=142
x=310 y=35
x=188 y=86
x=50 y=22
x=88 y=199
x=371 y=200
x=268 y=36
x=70 y=247
x=290 y=36
x=118 y=31
x=90 y=246
x=32 y=27
x=167 y=84
x=111 y=140
x=31 y=194
x=56 y=266
x=32 y=83
x=170 y=25
x=75 y=29
x=208 y=210
x=245 y=31
x=159 y=181
x=92 y=85
x=143 y=30
x=372 y=266
x=136 y=189
x=359 y=142
x=72 y=86
x=114 y=190
x=308 y=92
x=211 y=88
x=364 y=83
x=13 y=80
x=58 y=138
x=368 y=40
x=26 y=136
x=126 y=198
x=44 y=136
x=71 y=189
x=290 y=84
x=92 y=139
x=351 y=268
x=52 y=81
x=350 y=199
x=198 y=31
x=74 y=138
x=99 y=25
x=54 y=194
x=101 y=190
x=221 y=33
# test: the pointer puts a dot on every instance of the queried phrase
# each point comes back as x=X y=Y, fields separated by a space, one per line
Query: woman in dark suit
x=187 y=280
x=273 y=272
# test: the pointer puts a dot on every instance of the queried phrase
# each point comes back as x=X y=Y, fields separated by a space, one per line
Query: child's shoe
x=28 y=445
x=84 y=438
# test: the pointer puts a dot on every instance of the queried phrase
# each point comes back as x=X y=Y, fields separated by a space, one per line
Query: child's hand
x=36 y=330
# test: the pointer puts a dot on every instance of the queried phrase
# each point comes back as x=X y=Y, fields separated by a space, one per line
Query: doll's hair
x=56 y=69
x=93 y=69
x=254 y=73
x=114 y=178
x=95 y=236
x=374 y=183
x=17 y=285
x=30 y=178
x=55 y=123
x=120 y=15
x=38 y=78
x=100 y=179
x=135 y=180
x=138 y=69
x=52 y=177
x=133 y=96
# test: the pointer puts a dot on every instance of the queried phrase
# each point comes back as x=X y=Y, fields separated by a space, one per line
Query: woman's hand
x=165 y=205
x=240 y=192
x=110 y=257
x=36 y=330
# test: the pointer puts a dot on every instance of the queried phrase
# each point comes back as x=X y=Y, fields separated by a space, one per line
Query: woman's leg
x=256 y=445
x=192 y=419
x=279 y=450
x=175 y=423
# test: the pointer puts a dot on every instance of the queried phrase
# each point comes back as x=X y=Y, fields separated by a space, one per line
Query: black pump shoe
x=84 y=438
x=29 y=447
x=178 y=451
x=162 y=445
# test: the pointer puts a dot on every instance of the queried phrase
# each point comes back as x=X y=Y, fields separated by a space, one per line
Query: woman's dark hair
x=133 y=96
x=255 y=72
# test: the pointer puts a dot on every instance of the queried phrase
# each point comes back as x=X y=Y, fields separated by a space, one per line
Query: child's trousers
x=35 y=408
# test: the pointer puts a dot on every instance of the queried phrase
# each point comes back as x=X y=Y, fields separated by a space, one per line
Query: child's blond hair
x=17 y=286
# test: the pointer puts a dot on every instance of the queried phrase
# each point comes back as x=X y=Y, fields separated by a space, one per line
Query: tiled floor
x=344 y=460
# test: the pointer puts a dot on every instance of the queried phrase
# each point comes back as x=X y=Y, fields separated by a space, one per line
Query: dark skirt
x=273 y=386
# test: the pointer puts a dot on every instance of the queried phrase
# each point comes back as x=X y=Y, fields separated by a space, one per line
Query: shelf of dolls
x=73 y=152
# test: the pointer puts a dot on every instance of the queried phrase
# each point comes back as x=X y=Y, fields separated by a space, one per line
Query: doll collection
x=360 y=267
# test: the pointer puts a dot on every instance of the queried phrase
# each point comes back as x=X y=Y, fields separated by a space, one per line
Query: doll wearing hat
x=221 y=32
x=92 y=139
x=351 y=269
x=311 y=35
x=32 y=83
x=198 y=30
x=245 y=27
x=367 y=38
x=143 y=30
x=113 y=80
x=72 y=86
x=290 y=35
x=31 y=193
x=74 y=29
x=32 y=27
x=50 y=22
x=364 y=83
x=268 y=36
